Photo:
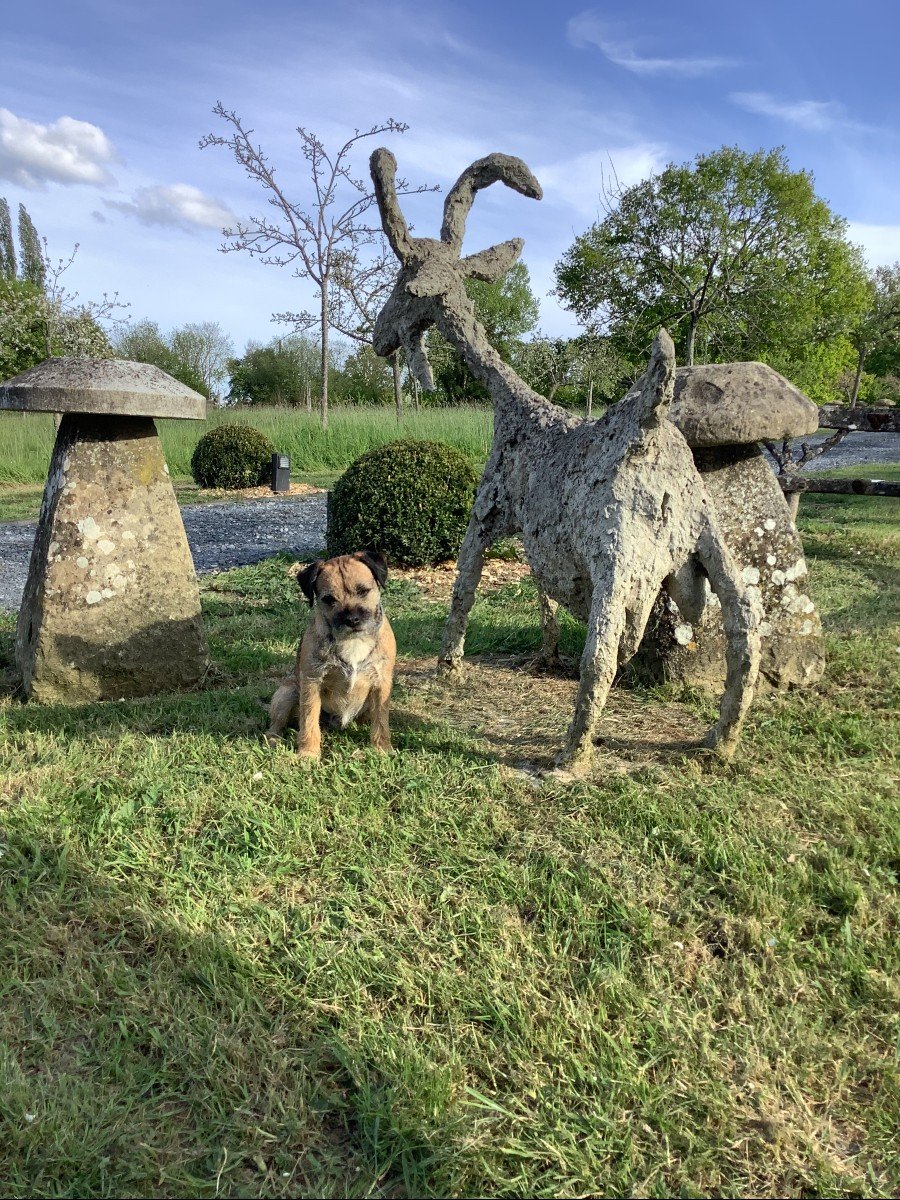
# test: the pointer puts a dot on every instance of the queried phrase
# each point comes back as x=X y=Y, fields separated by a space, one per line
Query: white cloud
x=880 y=243
x=815 y=116
x=68 y=151
x=178 y=204
x=587 y=29
x=580 y=180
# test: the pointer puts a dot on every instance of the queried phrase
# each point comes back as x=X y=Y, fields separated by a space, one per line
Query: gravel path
x=234 y=535
x=220 y=536
x=855 y=450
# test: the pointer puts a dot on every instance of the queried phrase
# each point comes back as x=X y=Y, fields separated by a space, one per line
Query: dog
x=345 y=663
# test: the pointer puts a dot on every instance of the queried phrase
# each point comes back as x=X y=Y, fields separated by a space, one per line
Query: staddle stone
x=764 y=541
x=729 y=404
x=111 y=608
x=114 y=386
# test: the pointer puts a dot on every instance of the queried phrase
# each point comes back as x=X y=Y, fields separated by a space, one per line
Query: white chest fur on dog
x=354 y=650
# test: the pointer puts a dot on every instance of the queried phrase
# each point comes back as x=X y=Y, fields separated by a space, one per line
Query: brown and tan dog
x=345 y=663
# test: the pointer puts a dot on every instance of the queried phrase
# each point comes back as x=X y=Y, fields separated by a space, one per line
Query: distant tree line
x=734 y=253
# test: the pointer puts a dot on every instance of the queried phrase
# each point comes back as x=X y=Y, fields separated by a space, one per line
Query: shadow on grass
x=139 y=1059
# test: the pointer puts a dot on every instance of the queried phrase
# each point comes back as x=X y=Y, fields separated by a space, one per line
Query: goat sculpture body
x=609 y=511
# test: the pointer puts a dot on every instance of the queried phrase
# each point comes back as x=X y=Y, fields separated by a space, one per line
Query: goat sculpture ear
x=383 y=167
x=494 y=168
x=491 y=265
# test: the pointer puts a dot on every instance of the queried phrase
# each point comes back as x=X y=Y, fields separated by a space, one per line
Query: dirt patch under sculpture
x=521 y=712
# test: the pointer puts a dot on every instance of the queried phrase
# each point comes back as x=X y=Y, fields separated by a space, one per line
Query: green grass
x=26 y=439
x=221 y=974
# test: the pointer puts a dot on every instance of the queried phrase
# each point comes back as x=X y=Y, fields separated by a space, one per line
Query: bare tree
x=359 y=296
x=314 y=239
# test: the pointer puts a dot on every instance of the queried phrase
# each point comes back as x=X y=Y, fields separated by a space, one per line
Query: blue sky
x=102 y=105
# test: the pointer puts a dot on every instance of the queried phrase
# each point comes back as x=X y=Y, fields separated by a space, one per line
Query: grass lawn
x=434 y=974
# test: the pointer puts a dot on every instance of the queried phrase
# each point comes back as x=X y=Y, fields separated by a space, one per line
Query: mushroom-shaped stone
x=111 y=607
x=739 y=404
x=105 y=386
x=724 y=410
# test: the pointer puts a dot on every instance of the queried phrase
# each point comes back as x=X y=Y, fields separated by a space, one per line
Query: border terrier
x=345 y=663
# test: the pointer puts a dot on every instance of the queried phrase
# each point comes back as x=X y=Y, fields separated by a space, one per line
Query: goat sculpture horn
x=494 y=168
x=383 y=166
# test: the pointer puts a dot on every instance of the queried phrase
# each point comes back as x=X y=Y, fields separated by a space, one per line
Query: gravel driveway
x=234 y=535
x=220 y=536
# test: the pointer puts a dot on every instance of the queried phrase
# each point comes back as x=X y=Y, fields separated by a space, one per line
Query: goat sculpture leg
x=549 y=628
x=468 y=574
x=599 y=661
x=741 y=613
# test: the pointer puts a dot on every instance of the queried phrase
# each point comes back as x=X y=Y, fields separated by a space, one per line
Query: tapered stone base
x=111 y=607
x=764 y=541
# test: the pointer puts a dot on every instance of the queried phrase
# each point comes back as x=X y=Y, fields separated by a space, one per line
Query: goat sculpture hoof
x=450 y=668
x=569 y=767
x=724 y=744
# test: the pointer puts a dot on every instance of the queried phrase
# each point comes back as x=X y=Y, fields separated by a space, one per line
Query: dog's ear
x=307 y=580
x=376 y=563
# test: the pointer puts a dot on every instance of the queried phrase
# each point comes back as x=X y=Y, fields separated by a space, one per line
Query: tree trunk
x=692 y=334
x=860 y=362
x=398 y=394
x=590 y=400
x=308 y=397
x=416 y=393
x=323 y=403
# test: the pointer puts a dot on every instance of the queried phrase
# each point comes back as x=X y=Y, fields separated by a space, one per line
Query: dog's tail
x=657 y=383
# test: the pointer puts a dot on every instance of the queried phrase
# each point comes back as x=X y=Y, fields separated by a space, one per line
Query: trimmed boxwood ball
x=409 y=499
x=232 y=456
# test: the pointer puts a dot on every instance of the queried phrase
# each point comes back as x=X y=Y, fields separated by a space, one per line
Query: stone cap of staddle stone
x=110 y=386
x=733 y=404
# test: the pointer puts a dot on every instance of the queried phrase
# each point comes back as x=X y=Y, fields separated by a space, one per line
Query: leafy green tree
x=32 y=258
x=365 y=378
x=39 y=316
x=876 y=336
x=143 y=342
x=508 y=310
x=572 y=369
x=7 y=243
x=734 y=253
x=204 y=349
x=34 y=326
x=283 y=372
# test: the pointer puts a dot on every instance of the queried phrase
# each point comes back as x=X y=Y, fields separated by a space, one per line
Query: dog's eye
x=328 y=599
x=363 y=591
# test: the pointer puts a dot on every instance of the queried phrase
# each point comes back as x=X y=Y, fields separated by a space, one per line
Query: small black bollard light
x=281 y=473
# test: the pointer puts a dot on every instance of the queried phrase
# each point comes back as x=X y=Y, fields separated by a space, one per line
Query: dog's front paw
x=309 y=754
x=271 y=738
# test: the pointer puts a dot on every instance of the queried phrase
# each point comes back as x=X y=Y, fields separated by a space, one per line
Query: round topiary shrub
x=232 y=456
x=410 y=500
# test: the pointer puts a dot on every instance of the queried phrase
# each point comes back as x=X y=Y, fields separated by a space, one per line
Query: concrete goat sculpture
x=609 y=511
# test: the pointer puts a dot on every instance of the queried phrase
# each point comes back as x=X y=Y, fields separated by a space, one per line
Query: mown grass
x=26 y=440
x=221 y=974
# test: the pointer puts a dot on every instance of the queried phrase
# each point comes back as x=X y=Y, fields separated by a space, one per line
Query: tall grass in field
x=26 y=439
x=26 y=443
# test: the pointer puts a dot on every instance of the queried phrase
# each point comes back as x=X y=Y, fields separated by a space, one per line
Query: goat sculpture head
x=431 y=283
